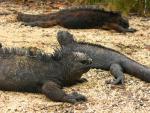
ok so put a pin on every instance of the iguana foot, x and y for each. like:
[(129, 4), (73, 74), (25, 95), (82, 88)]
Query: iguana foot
[(82, 80), (131, 30), (116, 71), (32, 24), (74, 98), (118, 81)]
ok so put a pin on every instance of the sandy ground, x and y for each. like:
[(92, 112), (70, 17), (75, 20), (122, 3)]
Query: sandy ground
[(102, 98)]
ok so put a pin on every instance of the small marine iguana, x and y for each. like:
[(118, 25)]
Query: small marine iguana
[(43, 73), (106, 59), (83, 17), (1, 45)]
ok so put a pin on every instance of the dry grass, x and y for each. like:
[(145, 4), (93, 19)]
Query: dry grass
[(102, 98)]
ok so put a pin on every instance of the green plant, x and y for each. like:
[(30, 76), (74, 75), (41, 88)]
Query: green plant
[(141, 7)]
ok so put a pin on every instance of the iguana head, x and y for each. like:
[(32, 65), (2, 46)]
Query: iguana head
[(64, 38), (120, 19), (73, 62), (123, 21)]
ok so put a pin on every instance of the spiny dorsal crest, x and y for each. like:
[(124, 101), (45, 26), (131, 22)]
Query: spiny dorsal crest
[(89, 8), (37, 55), (10, 52)]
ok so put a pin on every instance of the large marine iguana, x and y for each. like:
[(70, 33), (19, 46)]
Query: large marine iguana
[(83, 17), (106, 59), (43, 73)]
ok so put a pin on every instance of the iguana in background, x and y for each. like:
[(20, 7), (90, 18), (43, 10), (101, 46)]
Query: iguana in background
[(106, 58), (83, 17), (43, 73)]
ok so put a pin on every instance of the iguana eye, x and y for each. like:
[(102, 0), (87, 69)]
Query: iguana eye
[(86, 62)]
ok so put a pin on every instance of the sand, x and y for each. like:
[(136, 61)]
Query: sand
[(102, 97)]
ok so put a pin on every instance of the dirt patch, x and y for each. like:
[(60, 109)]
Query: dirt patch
[(133, 97)]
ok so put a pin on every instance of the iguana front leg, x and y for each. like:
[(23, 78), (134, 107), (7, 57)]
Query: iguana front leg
[(118, 28), (117, 72), (53, 91)]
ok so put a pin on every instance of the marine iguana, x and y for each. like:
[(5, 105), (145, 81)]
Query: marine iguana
[(1, 45), (106, 58), (82, 17), (43, 73)]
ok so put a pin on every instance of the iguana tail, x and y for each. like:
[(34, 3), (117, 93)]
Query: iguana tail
[(31, 18), (133, 68)]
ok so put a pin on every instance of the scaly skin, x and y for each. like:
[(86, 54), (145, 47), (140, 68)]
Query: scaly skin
[(79, 18), (48, 74), (106, 59)]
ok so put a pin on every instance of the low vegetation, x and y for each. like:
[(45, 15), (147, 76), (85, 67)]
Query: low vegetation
[(142, 7)]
